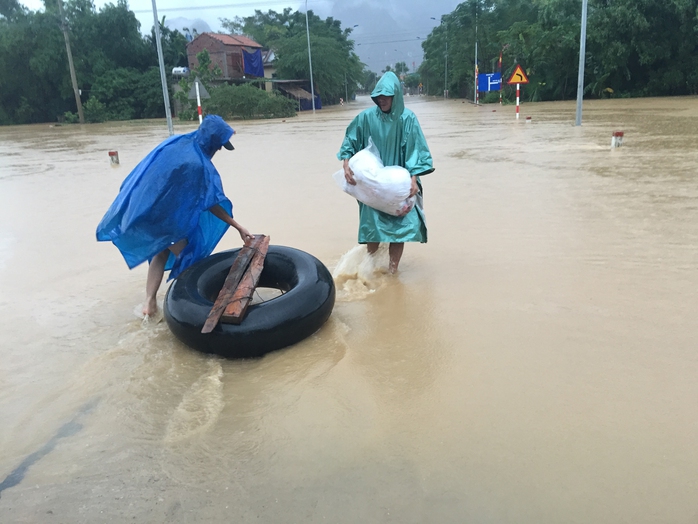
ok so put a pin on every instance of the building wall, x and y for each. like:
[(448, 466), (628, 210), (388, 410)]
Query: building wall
[(269, 72), (227, 57)]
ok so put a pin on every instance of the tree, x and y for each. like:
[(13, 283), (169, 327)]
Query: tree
[(634, 47), (174, 46), (206, 74), (401, 68), (336, 68), (35, 85)]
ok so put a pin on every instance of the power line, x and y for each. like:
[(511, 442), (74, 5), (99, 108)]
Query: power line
[(222, 6), (391, 41)]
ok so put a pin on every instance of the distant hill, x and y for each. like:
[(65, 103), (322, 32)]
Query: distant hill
[(188, 27)]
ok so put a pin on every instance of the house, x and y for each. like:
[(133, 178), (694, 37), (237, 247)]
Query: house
[(268, 58), (229, 52)]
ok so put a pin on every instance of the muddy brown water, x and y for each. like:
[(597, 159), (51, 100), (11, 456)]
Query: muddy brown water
[(536, 361)]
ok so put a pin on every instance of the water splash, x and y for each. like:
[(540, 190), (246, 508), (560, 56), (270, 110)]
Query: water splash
[(359, 274), (148, 320)]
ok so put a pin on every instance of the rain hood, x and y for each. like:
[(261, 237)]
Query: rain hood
[(389, 85)]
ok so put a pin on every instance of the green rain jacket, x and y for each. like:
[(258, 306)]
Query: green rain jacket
[(400, 140)]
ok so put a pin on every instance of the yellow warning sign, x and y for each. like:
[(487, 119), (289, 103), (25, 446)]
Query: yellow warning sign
[(518, 76)]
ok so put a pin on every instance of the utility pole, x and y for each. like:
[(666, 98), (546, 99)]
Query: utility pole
[(582, 56), (310, 60), (446, 64), (475, 100), (73, 78)]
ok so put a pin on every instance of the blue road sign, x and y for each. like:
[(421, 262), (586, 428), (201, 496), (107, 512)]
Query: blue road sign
[(489, 82)]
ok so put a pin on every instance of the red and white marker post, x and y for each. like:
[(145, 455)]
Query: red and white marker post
[(617, 139), (198, 101), (518, 77)]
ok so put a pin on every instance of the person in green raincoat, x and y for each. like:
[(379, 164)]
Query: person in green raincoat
[(395, 131)]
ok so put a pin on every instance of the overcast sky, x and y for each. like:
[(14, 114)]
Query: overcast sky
[(388, 31)]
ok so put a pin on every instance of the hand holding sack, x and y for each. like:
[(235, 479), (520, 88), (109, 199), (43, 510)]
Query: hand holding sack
[(385, 188)]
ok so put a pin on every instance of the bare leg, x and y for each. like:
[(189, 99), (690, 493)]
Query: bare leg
[(395, 251), (372, 247), (156, 270)]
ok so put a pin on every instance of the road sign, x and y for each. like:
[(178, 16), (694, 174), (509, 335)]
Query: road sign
[(518, 76), (489, 82), (202, 90)]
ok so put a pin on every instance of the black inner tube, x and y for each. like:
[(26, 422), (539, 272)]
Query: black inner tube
[(306, 304), (284, 278)]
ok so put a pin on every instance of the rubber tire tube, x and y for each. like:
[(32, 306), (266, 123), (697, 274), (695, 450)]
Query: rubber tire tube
[(282, 321)]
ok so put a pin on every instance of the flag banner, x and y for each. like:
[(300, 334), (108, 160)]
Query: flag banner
[(253, 63)]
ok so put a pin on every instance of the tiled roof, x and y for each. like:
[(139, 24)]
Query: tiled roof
[(237, 40)]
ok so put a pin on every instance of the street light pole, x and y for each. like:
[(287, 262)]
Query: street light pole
[(310, 60), (163, 79), (446, 65), (582, 54)]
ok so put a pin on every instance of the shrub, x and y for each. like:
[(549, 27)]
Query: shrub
[(491, 97), (128, 93), (246, 102), (95, 111), (71, 118), (277, 106)]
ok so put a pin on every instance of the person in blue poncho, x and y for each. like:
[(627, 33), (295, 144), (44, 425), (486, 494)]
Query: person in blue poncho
[(396, 133), (171, 209)]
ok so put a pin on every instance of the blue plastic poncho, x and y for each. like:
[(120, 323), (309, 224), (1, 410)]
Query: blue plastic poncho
[(400, 140), (166, 199)]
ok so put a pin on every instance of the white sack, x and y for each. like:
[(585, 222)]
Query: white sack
[(385, 188)]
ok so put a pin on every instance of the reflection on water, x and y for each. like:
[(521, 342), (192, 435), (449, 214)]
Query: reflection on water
[(534, 362)]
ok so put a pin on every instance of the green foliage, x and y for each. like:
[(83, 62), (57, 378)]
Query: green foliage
[(95, 111), (337, 70), (412, 80), (174, 46), (35, 85), (71, 118), (634, 47), (207, 75), (368, 80), (401, 68), (490, 98), (34, 80), (246, 101), (129, 94)]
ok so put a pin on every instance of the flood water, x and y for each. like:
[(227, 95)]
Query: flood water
[(535, 362)]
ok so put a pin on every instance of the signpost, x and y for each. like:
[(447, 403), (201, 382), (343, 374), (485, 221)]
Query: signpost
[(489, 82), (198, 91), (518, 77)]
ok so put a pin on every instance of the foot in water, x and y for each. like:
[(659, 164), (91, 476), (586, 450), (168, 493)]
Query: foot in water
[(150, 308)]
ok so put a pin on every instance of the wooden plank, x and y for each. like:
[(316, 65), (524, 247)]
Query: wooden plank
[(231, 283), (237, 307)]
